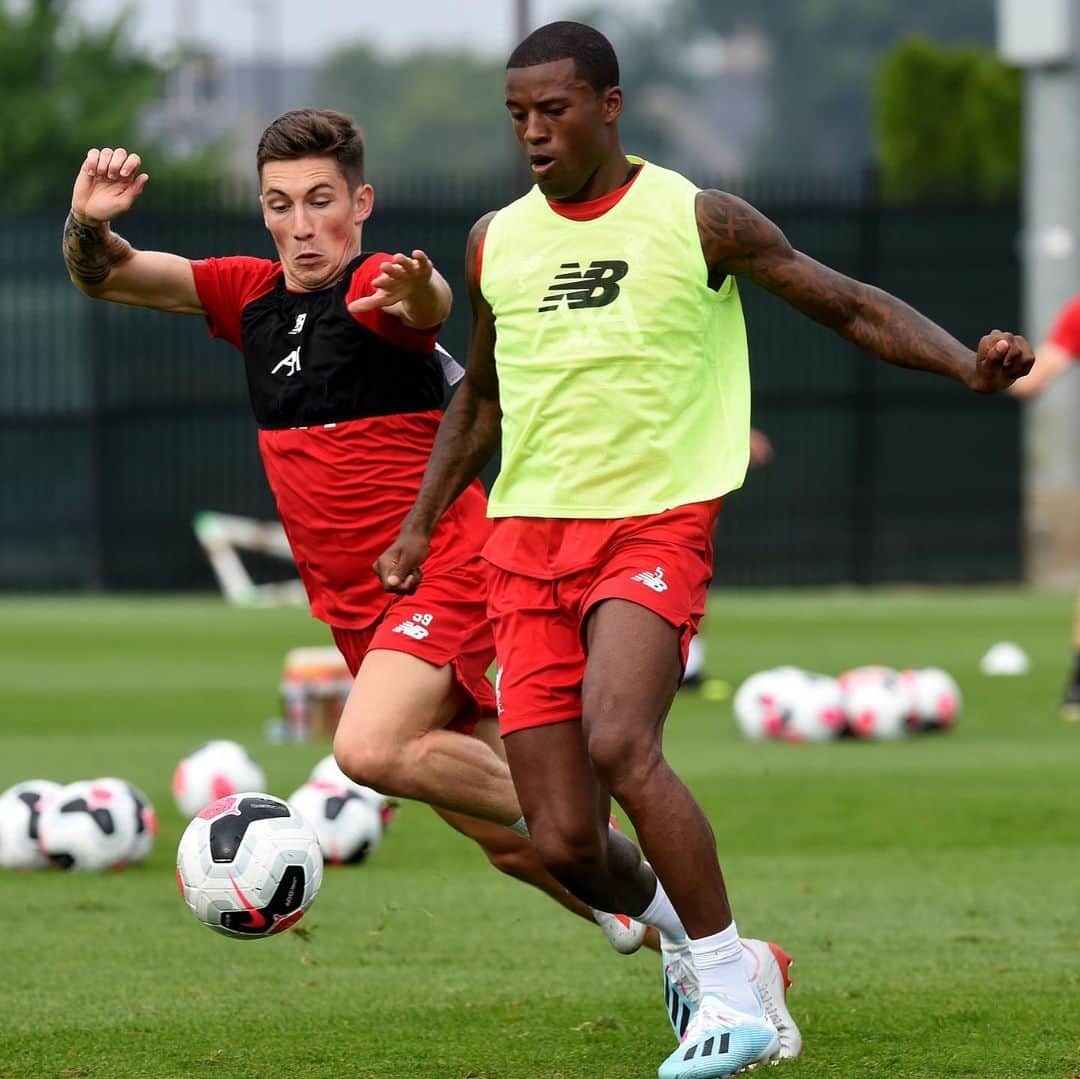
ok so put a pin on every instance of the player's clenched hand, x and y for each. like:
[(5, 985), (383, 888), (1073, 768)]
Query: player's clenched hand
[(398, 567), (109, 181), (400, 279), (1000, 360)]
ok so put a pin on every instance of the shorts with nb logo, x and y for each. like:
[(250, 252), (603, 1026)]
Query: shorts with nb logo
[(443, 623), (662, 562)]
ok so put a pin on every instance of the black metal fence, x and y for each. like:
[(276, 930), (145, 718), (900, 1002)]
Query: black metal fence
[(118, 424)]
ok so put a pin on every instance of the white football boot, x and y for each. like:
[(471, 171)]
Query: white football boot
[(767, 971), (722, 1040), (770, 979)]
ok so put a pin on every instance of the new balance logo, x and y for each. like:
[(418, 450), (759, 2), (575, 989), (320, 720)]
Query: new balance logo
[(595, 286), (291, 363), (654, 580), (416, 628), (300, 320)]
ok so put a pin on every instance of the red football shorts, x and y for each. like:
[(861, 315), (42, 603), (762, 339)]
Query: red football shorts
[(662, 562), (443, 623)]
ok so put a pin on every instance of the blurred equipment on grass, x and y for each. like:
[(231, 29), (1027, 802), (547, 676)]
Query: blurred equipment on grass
[(1005, 658), (223, 536)]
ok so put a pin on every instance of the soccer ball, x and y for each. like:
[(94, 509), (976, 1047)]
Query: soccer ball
[(327, 771), (20, 808), (348, 825), (146, 826), (935, 698), (763, 703), (249, 866), (213, 771), (817, 714), (870, 675), (876, 703), (89, 825)]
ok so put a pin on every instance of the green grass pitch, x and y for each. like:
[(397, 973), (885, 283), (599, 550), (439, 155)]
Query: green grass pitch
[(928, 890)]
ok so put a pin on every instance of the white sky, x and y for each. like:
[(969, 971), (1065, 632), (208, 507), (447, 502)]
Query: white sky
[(307, 29)]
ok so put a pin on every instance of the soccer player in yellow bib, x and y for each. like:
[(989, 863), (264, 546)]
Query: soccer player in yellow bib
[(608, 358)]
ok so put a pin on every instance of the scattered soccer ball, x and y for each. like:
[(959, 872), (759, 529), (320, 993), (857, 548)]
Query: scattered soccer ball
[(876, 705), (348, 825), (89, 825), (935, 698), (213, 771), (20, 808), (327, 771), (817, 714), (763, 703), (249, 866)]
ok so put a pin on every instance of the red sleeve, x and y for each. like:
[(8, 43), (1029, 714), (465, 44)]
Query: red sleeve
[(378, 321), (1066, 331), (226, 286)]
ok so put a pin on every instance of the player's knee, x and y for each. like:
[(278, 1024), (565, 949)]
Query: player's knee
[(621, 754), (569, 856), (519, 862), (370, 763)]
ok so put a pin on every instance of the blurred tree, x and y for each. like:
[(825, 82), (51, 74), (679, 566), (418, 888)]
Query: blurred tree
[(425, 113), (825, 55), (62, 89), (967, 150)]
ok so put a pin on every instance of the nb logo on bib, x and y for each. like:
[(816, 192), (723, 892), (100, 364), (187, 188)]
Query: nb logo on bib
[(595, 286)]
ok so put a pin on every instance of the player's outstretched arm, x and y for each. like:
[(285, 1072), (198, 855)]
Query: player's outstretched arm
[(411, 288), (103, 264), (467, 439), (737, 239)]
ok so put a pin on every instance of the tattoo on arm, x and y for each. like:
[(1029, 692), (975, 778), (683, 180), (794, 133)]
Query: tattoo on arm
[(91, 251), (737, 239)]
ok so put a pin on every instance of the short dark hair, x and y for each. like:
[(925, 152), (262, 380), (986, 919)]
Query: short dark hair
[(594, 58), (315, 133)]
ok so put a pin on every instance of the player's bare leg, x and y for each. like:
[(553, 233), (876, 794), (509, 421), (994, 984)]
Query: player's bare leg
[(631, 677), (511, 854), (566, 809), (392, 736)]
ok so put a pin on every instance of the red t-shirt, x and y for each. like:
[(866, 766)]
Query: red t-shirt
[(342, 488), (1066, 331)]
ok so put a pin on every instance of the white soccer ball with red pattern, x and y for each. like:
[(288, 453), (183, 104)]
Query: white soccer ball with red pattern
[(348, 826), (212, 771), (327, 771), (878, 707), (249, 866), (89, 825), (935, 698), (817, 714), (20, 810), (763, 703)]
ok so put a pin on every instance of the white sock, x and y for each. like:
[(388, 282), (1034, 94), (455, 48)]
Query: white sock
[(520, 827), (720, 967), (660, 914)]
